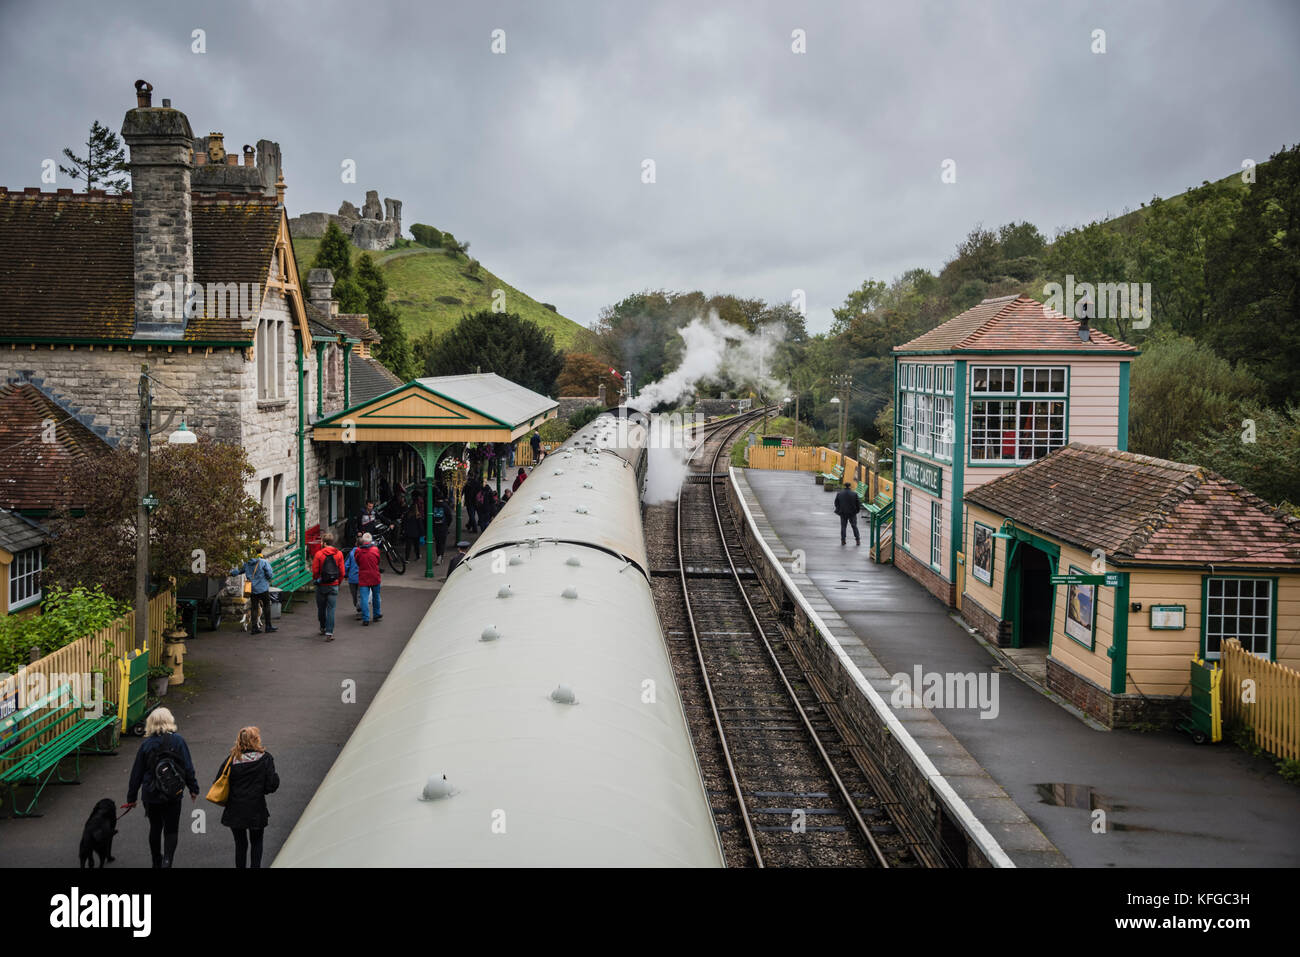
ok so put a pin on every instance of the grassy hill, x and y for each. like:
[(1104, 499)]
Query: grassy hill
[(432, 290)]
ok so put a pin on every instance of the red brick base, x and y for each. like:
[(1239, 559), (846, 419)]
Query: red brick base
[(934, 583), (1112, 710), (985, 622)]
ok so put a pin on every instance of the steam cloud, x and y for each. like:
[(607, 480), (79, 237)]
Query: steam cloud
[(717, 353)]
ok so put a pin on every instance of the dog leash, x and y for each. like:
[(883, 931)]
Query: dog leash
[(125, 813)]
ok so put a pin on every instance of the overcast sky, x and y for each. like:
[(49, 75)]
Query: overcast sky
[(774, 170)]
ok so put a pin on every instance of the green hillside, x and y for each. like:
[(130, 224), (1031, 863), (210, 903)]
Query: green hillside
[(432, 290)]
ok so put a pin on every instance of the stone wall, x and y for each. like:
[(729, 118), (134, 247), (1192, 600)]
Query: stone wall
[(985, 622), (1112, 710), (932, 581), (373, 227)]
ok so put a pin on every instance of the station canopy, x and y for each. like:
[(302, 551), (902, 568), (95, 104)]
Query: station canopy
[(446, 409)]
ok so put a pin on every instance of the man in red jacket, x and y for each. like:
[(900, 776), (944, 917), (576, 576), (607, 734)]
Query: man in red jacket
[(327, 577), (367, 558)]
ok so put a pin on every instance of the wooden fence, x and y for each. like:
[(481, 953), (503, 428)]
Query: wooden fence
[(96, 652), (1264, 696), (817, 459)]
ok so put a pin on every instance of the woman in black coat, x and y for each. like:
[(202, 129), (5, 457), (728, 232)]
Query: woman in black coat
[(252, 777)]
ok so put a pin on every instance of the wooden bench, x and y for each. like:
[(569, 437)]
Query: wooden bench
[(38, 723), (291, 572), (878, 506), (832, 478)]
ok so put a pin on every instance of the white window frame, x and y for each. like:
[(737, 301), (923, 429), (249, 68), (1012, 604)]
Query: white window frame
[(943, 428), (25, 575), (1021, 408), (1216, 622), (924, 419), (907, 518), (975, 377), (907, 420), (936, 533), (1030, 374)]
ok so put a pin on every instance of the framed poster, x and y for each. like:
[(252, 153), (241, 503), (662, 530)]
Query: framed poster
[(1168, 617), (982, 554), (1080, 610), (291, 519)]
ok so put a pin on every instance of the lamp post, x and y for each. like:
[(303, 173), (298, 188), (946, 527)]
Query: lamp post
[(147, 501)]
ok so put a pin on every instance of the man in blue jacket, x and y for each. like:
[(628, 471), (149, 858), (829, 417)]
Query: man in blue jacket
[(259, 572)]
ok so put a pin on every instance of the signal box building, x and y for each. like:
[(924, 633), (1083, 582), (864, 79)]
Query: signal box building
[(1186, 560), (985, 394)]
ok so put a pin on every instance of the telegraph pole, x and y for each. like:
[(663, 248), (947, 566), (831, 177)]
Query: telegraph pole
[(844, 383)]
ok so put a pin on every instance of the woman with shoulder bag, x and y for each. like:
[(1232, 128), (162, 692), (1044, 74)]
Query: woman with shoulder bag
[(250, 773)]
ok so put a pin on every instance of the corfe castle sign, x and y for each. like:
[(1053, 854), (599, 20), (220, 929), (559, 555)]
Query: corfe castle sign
[(928, 478)]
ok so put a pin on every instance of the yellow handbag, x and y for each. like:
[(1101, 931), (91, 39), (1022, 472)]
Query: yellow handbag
[(219, 793)]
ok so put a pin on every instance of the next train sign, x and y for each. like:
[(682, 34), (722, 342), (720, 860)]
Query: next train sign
[(927, 477)]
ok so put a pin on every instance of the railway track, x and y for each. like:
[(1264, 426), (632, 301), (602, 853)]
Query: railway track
[(786, 787)]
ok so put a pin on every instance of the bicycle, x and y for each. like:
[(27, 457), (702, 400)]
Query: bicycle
[(395, 560)]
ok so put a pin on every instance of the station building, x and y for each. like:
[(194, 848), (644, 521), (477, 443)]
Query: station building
[(1189, 559), (983, 395)]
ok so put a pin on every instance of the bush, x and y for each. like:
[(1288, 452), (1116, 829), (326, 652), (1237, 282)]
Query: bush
[(583, 416), (547, 305), (555, 430), (68, 615), (427, 236)]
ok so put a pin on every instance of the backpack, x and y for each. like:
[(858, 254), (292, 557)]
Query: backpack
[(329, 569), (439, 515), (167, 767)]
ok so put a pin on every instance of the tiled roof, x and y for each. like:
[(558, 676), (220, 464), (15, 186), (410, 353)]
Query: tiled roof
[(19, 533), (1138, 508), (353, 325), (369, 378), (35, 474), (1012, 324), (69, 270)]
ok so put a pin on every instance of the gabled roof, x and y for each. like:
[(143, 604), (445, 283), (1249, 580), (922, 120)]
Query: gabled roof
[(1012, 324), (1142, 509), (488, 393), (69, 266), (35, 474), (353, 325), (19, 533)]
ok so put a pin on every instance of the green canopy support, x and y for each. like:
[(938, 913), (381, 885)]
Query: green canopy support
[(429, 453)]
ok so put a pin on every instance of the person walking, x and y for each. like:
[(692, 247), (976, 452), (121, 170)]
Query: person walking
[(252, 778), (259, 573), (327, 573), (412, 529), (535, 443), (160, 776), (441, 515), (472, 487), (369, 516), (353, 573), (368, 578), (847, 505), (519, 480), (487, 506)]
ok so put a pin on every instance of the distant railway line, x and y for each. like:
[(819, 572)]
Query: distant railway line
[(785, 787)]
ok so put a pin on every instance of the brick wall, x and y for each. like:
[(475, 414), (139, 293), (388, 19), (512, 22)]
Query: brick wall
[(1114, 711), (985, 622), (927, 576)]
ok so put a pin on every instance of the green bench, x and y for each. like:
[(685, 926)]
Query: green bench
[(290, 572), (878, 506), (832, 478), (40, 720)]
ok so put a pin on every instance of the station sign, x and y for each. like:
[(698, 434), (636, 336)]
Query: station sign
[(339, 483), (1110, 579), (926, 477)]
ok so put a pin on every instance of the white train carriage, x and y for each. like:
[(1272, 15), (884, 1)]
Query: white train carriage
[(533, 718)]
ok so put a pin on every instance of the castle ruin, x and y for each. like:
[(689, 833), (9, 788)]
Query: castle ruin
[(370, 227)]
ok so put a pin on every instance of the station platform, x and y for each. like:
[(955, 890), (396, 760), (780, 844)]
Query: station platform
[(289, 683), (1035, 772)]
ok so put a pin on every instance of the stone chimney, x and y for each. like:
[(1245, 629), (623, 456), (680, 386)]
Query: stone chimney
[(161, 142), (601, 395), (320, 289)]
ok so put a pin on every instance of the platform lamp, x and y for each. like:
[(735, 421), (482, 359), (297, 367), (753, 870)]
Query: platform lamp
[(147, 501), (1004, 532)]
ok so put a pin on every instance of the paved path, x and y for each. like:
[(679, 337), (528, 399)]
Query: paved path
[(290, 684), (1170, 803)]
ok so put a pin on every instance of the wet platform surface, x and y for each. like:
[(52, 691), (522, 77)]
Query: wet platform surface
[(1167, 802)]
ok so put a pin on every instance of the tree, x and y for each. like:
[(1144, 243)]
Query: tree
[(1254, 275), (1178, 389), (104, 160), (501, 342), (427, 235), (1256, 447), (584, 374), (335, 254), (394, 351), (203, 510)]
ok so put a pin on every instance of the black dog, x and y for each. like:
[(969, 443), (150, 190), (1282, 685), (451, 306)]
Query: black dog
[(97, 836)]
